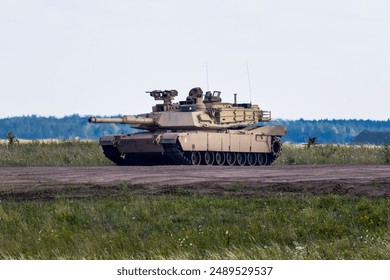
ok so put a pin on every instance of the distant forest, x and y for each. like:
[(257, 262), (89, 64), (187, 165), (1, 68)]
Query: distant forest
[(75, 126), (69, 127)]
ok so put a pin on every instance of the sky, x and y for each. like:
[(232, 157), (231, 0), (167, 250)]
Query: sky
[(300, 59)]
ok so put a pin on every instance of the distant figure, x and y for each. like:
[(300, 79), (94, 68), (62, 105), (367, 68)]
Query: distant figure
[(12, 138), (311, 141)]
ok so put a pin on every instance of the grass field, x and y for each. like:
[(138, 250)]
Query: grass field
[(191, 227), (334, 154), (79, 153), (63, 153), (194, 227)]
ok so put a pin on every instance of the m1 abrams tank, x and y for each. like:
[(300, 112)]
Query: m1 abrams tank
[(200, 130)]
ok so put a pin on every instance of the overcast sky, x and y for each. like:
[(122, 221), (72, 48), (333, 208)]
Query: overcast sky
[(307, 59)]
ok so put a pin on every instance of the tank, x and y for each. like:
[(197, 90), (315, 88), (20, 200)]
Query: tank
[(199, 130)]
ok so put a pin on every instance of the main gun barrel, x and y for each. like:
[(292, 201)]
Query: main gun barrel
[(123, 120)]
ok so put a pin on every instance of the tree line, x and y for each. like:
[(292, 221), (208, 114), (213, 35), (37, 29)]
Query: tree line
[(336, 131), (68, 127)]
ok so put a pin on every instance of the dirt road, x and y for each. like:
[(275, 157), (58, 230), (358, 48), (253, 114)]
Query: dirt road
[(53, 182)]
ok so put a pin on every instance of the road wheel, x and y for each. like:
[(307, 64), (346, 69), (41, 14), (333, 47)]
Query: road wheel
[(252, 159), (220, 158), (262, 159), (241, 159), (209, 158), (231, 158), (196, 158)]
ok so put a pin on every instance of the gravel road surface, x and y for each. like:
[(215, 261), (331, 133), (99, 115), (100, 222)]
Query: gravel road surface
[(53, 182)]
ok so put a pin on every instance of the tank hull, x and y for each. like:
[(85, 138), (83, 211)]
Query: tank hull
[(249, 146)]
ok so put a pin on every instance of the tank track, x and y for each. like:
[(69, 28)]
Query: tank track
[(116, 157), (173, 155), (113, 154), (174, 152), (178, 157)]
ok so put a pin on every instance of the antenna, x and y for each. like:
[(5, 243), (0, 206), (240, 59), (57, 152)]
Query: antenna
[(207, 76), (249, 82)]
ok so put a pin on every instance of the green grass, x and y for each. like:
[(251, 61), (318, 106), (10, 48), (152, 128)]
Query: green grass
[(334, 154), (65, 153), (182, 226), (75, 153), (193, 227)]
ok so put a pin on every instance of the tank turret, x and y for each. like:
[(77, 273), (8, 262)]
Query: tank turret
[(199, 130), (196, 112)]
